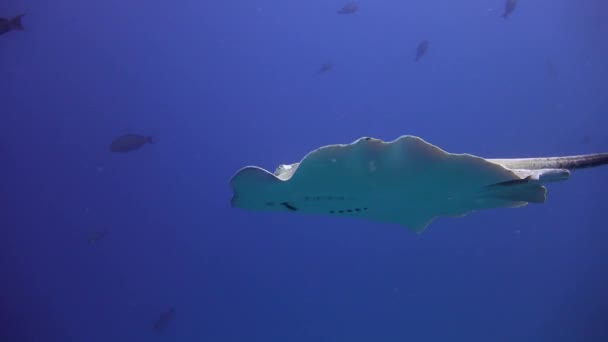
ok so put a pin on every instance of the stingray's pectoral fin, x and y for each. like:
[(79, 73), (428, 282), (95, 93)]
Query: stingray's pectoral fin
[(531, 193), (250, 185), (519, 190), (419, 226)]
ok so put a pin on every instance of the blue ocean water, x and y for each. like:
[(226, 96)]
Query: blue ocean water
[(224, 84)]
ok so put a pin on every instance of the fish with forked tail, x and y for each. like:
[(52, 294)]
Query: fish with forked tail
[(14, 24)]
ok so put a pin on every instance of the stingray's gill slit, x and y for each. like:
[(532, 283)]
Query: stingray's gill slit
[(289, 206), (347, 211)]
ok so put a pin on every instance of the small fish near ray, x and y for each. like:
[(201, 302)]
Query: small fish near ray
[(11, 24), (509, 8), (551, 72), (325, 67), (349, 8), (423, 46), (160, 325), (129, 142), (95, 237), (407, 181)]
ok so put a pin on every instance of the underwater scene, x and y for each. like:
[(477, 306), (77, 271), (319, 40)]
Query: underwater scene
[(303, 171)]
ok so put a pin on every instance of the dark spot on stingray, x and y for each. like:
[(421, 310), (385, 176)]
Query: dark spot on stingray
[(289, 206), (364, 208), (165, 318), (509, 8), (331, 211), (341, 211), (357, 209), (12, 24), (349, 8), (350, 210), (423, 46), (129, 142)]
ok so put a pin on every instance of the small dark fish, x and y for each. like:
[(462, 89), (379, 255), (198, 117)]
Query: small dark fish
[(551, 70), (325, 67), (165, 318), (129, 142), (7, 25), (509, 8), (421, 50), (96, 236), (349, 8)]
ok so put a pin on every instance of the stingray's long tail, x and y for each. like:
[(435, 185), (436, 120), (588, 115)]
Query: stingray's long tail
[(567, 162)]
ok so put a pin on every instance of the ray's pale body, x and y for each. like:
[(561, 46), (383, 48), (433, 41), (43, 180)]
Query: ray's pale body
[(405, 181)]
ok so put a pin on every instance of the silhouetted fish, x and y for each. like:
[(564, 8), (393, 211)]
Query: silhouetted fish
[(325, 67), (509, 8), (129, 142), (550, 70), (96, 236), (349, 8), (421, 50), (161, 323), (7, 25)]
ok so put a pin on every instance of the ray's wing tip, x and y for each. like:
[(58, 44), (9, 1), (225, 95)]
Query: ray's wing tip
[(250, 173), (419, 226), (418, 230), (245, 178), (249, 170), (403, 137)]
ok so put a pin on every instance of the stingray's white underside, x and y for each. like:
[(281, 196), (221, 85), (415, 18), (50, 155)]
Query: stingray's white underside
[(406, 181)]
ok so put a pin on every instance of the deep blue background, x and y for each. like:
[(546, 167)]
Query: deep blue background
[(224, 84)]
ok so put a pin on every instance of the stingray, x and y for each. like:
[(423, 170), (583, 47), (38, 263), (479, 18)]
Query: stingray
[(407, 181)]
